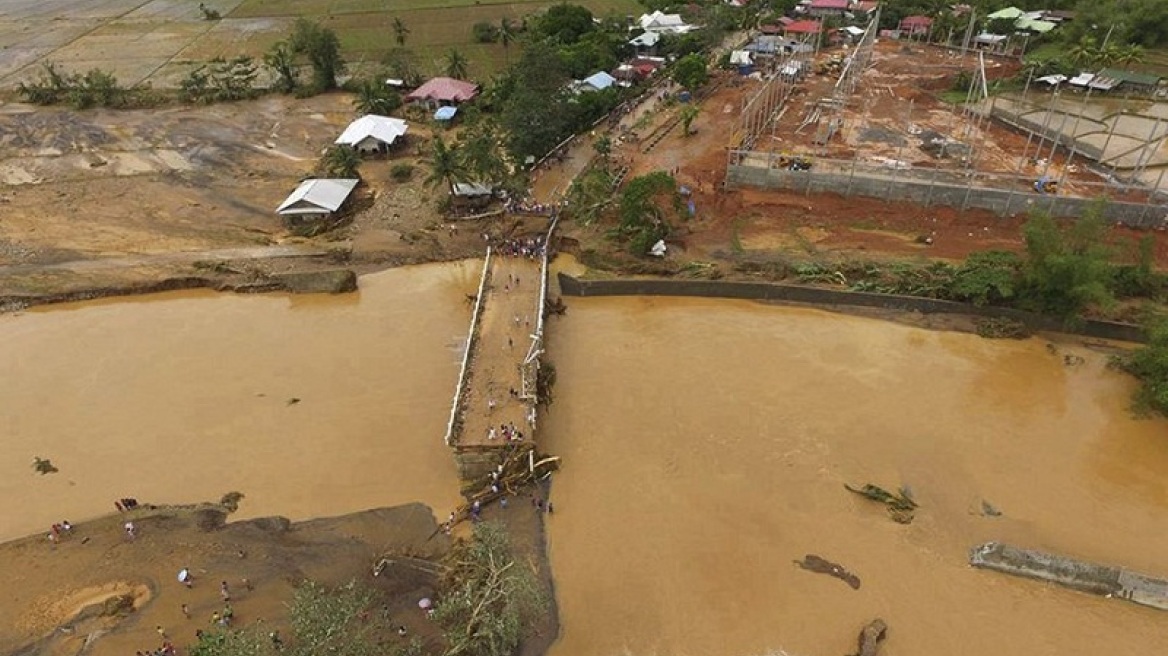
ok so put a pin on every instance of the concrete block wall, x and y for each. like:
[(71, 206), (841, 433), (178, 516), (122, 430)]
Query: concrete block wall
[(944, 190)]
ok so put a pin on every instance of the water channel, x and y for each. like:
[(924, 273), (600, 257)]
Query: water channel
[(705, 443)]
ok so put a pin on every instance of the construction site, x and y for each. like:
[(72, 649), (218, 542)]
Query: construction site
[(868, 119)]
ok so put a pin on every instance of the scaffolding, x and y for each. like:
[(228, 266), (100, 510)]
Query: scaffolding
[(763, 108), (845, 86)]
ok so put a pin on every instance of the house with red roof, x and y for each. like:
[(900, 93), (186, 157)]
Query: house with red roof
[(915, 25), (443, 91), (828, 7), (803, 27)]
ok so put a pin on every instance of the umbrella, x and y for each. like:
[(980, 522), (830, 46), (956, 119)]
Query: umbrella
[(424, 603)]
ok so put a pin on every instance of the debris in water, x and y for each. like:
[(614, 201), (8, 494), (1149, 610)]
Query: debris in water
[(989, 510), (293, 401), (43, 466), (813, 563), (871, 636), (900, 506)]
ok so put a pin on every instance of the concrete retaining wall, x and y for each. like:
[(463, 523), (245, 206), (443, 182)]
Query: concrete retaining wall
[(888, 185), (1075, 574), (765, 291)]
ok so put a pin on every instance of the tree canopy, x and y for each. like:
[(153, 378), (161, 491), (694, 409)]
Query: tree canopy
[(647, 205), (565, 24), (690, 71), (322, 48)]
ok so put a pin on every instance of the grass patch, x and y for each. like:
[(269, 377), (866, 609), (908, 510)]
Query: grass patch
[(736, 236), (953, 97), (365, 27)]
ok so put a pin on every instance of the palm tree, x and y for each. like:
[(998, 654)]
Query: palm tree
[(455, 64), (1107, 55), (341, 162), (1083, 51), (480, 154), (400, 32), (374, 97), (506, 37), (1133, 53), (445, 164)]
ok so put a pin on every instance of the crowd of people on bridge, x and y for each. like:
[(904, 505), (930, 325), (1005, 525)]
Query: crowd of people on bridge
[(529, 247), (528, 206), (508, 431)]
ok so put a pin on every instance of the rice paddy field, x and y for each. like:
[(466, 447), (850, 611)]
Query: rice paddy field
[(160, 41)]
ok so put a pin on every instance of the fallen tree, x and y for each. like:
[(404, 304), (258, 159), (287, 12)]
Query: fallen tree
[(488, 598)]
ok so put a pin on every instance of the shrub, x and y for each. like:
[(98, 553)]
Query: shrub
[(402, 172), (485, 32)]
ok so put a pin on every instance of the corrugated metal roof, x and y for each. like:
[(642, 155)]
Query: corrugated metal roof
[(804, 27), (382, 128), (320, 194), (471, 189), (445, 89), (1128, 76), (600, 81)]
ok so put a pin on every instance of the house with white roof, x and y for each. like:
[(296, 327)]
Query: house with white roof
[(373, 134), (315, 200), (664, 23), (645, 41), (595, 82)]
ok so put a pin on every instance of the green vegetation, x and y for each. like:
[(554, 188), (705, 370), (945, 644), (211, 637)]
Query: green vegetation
[(1149, 364), (220, 81), (97, 88), (321, 47), (402, 172), (687, 115), (485, 32), (649, 204), (340, 162), (446, 165), (690, 71), (1068, 269), (488, 597), (367, 29), (374, 96), (324, 621)]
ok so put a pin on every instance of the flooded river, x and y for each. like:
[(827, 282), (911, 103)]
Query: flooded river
[(181, 397), (706, 444)]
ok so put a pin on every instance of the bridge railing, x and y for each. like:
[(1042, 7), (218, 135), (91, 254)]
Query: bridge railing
[(454, 426), (532, 362)]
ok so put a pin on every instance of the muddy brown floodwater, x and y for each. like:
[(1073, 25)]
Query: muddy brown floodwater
[(177, 398), (706, 444)]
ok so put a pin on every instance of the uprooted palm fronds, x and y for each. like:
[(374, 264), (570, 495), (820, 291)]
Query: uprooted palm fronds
[(900, 506)]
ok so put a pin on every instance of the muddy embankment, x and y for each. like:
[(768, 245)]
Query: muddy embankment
[(331, 281), (836, 299), (98, 591)]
